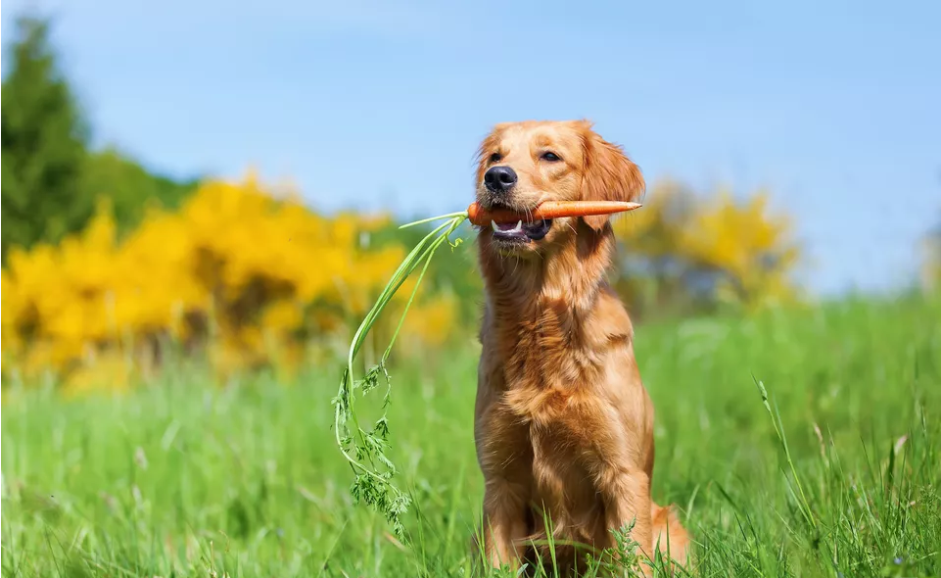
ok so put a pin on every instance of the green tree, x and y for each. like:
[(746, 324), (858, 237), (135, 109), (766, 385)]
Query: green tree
[(43, 144), (130, 187)]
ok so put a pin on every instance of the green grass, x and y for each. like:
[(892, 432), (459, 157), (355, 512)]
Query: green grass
[(184, 479)]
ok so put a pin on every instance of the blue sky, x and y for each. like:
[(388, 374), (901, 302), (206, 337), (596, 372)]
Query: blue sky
[(831, 105)]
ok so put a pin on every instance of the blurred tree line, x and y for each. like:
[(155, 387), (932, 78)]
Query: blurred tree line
[(106, 264), (52, 178), (931, 263)]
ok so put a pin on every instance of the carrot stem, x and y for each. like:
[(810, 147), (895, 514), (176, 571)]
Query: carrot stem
[(549, 210)]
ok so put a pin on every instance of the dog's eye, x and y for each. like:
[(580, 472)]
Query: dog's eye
[(496, 157), (551, 157)]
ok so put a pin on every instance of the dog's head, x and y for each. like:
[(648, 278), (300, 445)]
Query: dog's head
[(526, 163)]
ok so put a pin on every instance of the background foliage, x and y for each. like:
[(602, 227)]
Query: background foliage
[(51, 177), (107, 264)]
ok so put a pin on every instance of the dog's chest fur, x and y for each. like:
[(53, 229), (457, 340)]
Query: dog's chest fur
[(539, 350), (545, 373), (552, 341)]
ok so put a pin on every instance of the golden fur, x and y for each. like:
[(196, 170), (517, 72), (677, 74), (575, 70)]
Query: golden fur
[(563, 424)]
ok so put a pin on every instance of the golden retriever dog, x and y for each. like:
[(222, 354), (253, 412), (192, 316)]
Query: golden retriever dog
[(563, 425)]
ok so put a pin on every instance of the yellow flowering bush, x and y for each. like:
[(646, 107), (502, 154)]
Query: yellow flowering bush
[(683, 250), (749, 246), (247, 278)]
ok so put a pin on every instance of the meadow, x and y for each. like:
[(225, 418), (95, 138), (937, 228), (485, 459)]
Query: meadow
[(838, 475)]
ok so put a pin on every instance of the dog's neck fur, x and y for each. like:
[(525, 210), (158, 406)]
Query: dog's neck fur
[(538, 307), (574, 272)]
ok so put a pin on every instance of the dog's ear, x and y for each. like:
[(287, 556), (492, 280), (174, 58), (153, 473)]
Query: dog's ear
[(609, 176)]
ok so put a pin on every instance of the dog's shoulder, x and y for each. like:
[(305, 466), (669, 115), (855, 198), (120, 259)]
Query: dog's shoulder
[(609, 322)]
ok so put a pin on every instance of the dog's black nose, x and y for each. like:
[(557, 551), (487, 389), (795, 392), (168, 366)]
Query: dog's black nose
[(500, 179)]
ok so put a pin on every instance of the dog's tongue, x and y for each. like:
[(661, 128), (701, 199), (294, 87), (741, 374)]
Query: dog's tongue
[(508, 227)]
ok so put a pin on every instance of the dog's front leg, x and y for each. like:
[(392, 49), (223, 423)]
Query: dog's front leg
[(505, 526), (626, 497)]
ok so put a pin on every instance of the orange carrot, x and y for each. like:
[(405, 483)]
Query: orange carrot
[(549, 210)]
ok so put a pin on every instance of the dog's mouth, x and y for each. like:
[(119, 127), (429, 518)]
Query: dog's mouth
[(513, 227), (520, 232)]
